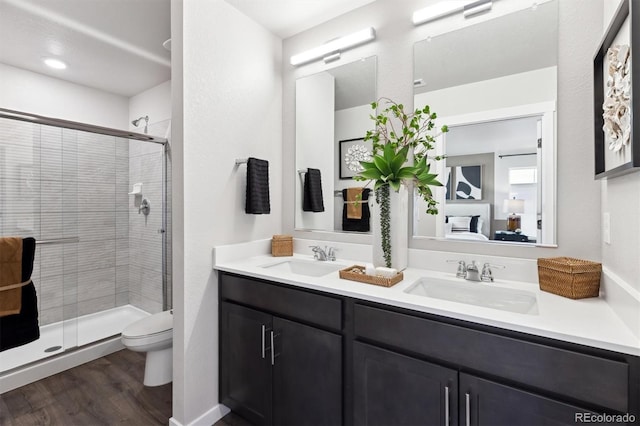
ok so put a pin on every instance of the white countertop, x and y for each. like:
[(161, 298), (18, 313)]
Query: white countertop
[(590, 322)]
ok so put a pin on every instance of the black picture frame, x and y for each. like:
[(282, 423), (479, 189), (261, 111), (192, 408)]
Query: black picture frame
[(344, 172), (625, 9)]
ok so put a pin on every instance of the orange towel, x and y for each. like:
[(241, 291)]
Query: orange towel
[(11, 276), (354, 205)]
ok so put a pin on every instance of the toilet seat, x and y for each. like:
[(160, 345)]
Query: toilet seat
[(154, 331)]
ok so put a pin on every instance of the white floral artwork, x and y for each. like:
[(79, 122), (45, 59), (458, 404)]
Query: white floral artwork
[(355, 154), (617, 104)]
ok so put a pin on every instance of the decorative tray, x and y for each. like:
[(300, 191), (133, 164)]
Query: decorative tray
[(356, 273)]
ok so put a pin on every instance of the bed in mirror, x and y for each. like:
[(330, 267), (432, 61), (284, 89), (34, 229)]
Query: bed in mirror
[(495, 85), (332, 116)]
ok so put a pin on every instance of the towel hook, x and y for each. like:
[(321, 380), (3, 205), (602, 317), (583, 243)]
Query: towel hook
[(241, 161)]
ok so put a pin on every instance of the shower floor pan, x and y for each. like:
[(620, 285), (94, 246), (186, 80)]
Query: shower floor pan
[(90, 328)]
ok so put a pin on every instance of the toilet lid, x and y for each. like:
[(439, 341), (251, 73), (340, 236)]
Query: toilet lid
[(153, 324)]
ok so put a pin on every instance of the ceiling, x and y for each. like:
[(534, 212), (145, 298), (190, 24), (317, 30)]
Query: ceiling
[(112, 45), (285, 18), (116, 45)]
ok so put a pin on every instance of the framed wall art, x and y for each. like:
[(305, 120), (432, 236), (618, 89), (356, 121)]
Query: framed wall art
[(615, 103), (351, 152), (468, 182)]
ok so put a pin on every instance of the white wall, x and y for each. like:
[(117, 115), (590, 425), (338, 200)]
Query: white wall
[(315, 124), (35, 93), (226, 82), (154, 102), (578, 193), (621, 199)]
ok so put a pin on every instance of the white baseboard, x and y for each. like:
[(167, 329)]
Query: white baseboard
[(57, 364), (206, 419)]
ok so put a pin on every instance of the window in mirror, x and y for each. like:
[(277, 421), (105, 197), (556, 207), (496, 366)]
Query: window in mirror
[(495, 85), (332, 117)]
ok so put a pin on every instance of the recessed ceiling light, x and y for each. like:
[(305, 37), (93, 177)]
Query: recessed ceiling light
[(55, 63)]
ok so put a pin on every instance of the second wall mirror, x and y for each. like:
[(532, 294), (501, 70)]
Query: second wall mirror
[(495, 85)]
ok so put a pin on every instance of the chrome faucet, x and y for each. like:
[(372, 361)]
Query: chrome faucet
[(323, 255), (462, 268), (472, 273), (487, 275)]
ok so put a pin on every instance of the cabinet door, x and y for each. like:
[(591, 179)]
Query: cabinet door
[(486, 403), (393, 389), (245, 364), (307, 375)]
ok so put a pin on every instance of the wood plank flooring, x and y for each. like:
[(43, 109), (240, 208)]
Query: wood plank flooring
[(107, 391), (232, 419)]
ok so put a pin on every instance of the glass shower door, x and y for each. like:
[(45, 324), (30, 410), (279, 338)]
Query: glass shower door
[(33, 169)]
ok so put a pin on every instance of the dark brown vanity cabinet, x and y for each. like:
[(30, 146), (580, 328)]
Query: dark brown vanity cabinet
[(276, 370), (491, 378), (337, 360), (393, 389), (487, 403)]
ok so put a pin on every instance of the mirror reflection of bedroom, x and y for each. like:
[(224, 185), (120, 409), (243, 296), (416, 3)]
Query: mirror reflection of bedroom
[(491, 183)]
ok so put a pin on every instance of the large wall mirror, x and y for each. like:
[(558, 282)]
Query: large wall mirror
[(332, 116), (495, 85)]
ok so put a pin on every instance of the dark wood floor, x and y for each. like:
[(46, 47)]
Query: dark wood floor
[(107, 391), (232, 420)]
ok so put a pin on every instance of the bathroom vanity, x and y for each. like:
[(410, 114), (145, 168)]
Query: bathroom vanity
[(309, 350)]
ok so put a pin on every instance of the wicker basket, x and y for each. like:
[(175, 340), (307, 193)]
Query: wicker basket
[(282, 245), (356, 273), (569, 277)]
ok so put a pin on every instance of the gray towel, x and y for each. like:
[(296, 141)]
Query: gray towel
[(257, 201)]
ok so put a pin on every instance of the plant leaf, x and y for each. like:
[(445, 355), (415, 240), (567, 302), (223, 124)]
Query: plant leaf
[(406, 173), (399, 159), (371, 174), (382, 165)]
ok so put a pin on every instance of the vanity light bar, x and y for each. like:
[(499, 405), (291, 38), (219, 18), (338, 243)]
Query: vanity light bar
[(439, 10), (334, 46), (477, 7), (449, 7)]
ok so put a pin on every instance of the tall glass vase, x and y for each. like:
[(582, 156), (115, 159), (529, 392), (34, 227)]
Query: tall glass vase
[(399, 230)]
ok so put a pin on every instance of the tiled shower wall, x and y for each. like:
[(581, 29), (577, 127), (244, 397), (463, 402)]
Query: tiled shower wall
[(145, 232), (58, 183)]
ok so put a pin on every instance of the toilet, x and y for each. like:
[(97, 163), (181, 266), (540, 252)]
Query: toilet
[(153, 335)]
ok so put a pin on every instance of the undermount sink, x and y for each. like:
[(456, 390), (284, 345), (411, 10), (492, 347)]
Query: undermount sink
[(310, 268), (478, 294)]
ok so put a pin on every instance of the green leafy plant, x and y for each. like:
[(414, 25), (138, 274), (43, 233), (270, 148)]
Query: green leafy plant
[(396, 135)]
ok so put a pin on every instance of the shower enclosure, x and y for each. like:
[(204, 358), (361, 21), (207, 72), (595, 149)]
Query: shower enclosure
[(100, 263)]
